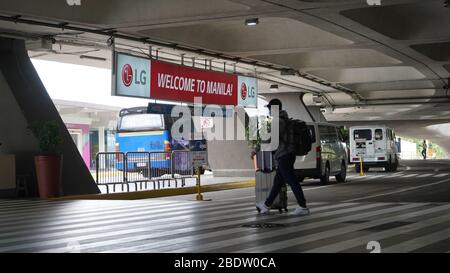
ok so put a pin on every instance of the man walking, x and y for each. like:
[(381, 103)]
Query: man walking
[(285, 159), (424, 150)]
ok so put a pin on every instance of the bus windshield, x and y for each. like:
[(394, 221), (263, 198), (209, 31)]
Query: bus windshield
[(141, 122)]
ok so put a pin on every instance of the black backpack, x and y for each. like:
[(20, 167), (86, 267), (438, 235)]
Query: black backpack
[(299, 137)]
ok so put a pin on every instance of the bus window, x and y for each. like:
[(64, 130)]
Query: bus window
[(365, 134), (141, 122), (379, 134)]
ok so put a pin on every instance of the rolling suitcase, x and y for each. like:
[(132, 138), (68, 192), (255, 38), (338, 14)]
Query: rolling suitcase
[(264, 176)]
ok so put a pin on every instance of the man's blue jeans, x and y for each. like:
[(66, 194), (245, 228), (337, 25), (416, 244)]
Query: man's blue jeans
[(285, 174)]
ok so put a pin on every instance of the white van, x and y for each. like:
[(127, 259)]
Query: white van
[(376, 145), (327, 157)]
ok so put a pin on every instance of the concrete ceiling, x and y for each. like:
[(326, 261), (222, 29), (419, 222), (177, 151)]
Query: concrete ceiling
[(395, 57)]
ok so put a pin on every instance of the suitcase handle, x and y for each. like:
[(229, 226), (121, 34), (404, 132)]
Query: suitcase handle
[(255, 163)]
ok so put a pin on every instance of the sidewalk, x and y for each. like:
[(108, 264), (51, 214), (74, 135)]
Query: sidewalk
[(206, 180)]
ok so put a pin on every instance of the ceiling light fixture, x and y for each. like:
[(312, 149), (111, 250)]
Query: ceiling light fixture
[(252, 22), (93, 58)]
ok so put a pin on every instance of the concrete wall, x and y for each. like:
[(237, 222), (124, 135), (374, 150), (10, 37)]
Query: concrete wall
[(24, 94), (15, 138)]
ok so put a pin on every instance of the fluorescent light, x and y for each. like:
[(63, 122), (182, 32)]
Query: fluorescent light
[(274, 87), (252, 22)]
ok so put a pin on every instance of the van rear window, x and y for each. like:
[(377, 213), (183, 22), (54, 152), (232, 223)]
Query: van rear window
[(363, 134)]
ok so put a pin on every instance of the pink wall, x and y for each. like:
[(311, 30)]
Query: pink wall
[(86, 143)]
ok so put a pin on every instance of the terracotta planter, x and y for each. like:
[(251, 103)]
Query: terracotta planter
[(49, 172)]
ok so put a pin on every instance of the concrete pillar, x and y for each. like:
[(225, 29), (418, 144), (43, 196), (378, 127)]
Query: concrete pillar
[(101, 140)]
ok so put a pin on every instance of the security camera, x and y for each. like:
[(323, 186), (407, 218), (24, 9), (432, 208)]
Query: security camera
[(317, 100)]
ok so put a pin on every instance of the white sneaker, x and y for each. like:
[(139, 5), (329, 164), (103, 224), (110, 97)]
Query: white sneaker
[(301, 211), (261, 206)]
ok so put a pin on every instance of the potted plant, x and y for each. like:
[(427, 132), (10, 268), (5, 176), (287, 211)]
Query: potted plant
[(49, 162), (254, 132)]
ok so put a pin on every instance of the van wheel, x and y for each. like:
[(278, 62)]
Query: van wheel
[(395, 167), (388, 167), (325, 179), (341, 177)]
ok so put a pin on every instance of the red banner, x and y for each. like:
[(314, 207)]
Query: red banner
[(179, 83)]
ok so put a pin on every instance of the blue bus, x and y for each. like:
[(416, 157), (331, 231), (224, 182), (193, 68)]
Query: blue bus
[(147, 129)]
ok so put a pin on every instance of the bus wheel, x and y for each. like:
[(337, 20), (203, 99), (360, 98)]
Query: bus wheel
[(395, 167), (388, 167)]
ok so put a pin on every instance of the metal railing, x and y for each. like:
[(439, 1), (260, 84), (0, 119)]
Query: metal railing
[(143, 169)]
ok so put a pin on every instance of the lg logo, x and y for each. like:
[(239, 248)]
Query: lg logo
[(374, 2), (244, 91), (73, 2), (374, 246), (247, 93), (128, 75)]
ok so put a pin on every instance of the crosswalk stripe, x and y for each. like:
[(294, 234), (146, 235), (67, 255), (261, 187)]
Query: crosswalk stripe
[(343, 245), (169, 246), (411, 245), (177, 219), (410, 175), (339, 231), (294, 229), (74, 205), (441, 175), (74, 216), (399, 191), (115, 218), (424, 175), (184, 228)]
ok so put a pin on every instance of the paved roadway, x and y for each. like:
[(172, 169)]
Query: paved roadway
[(406, 211)]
